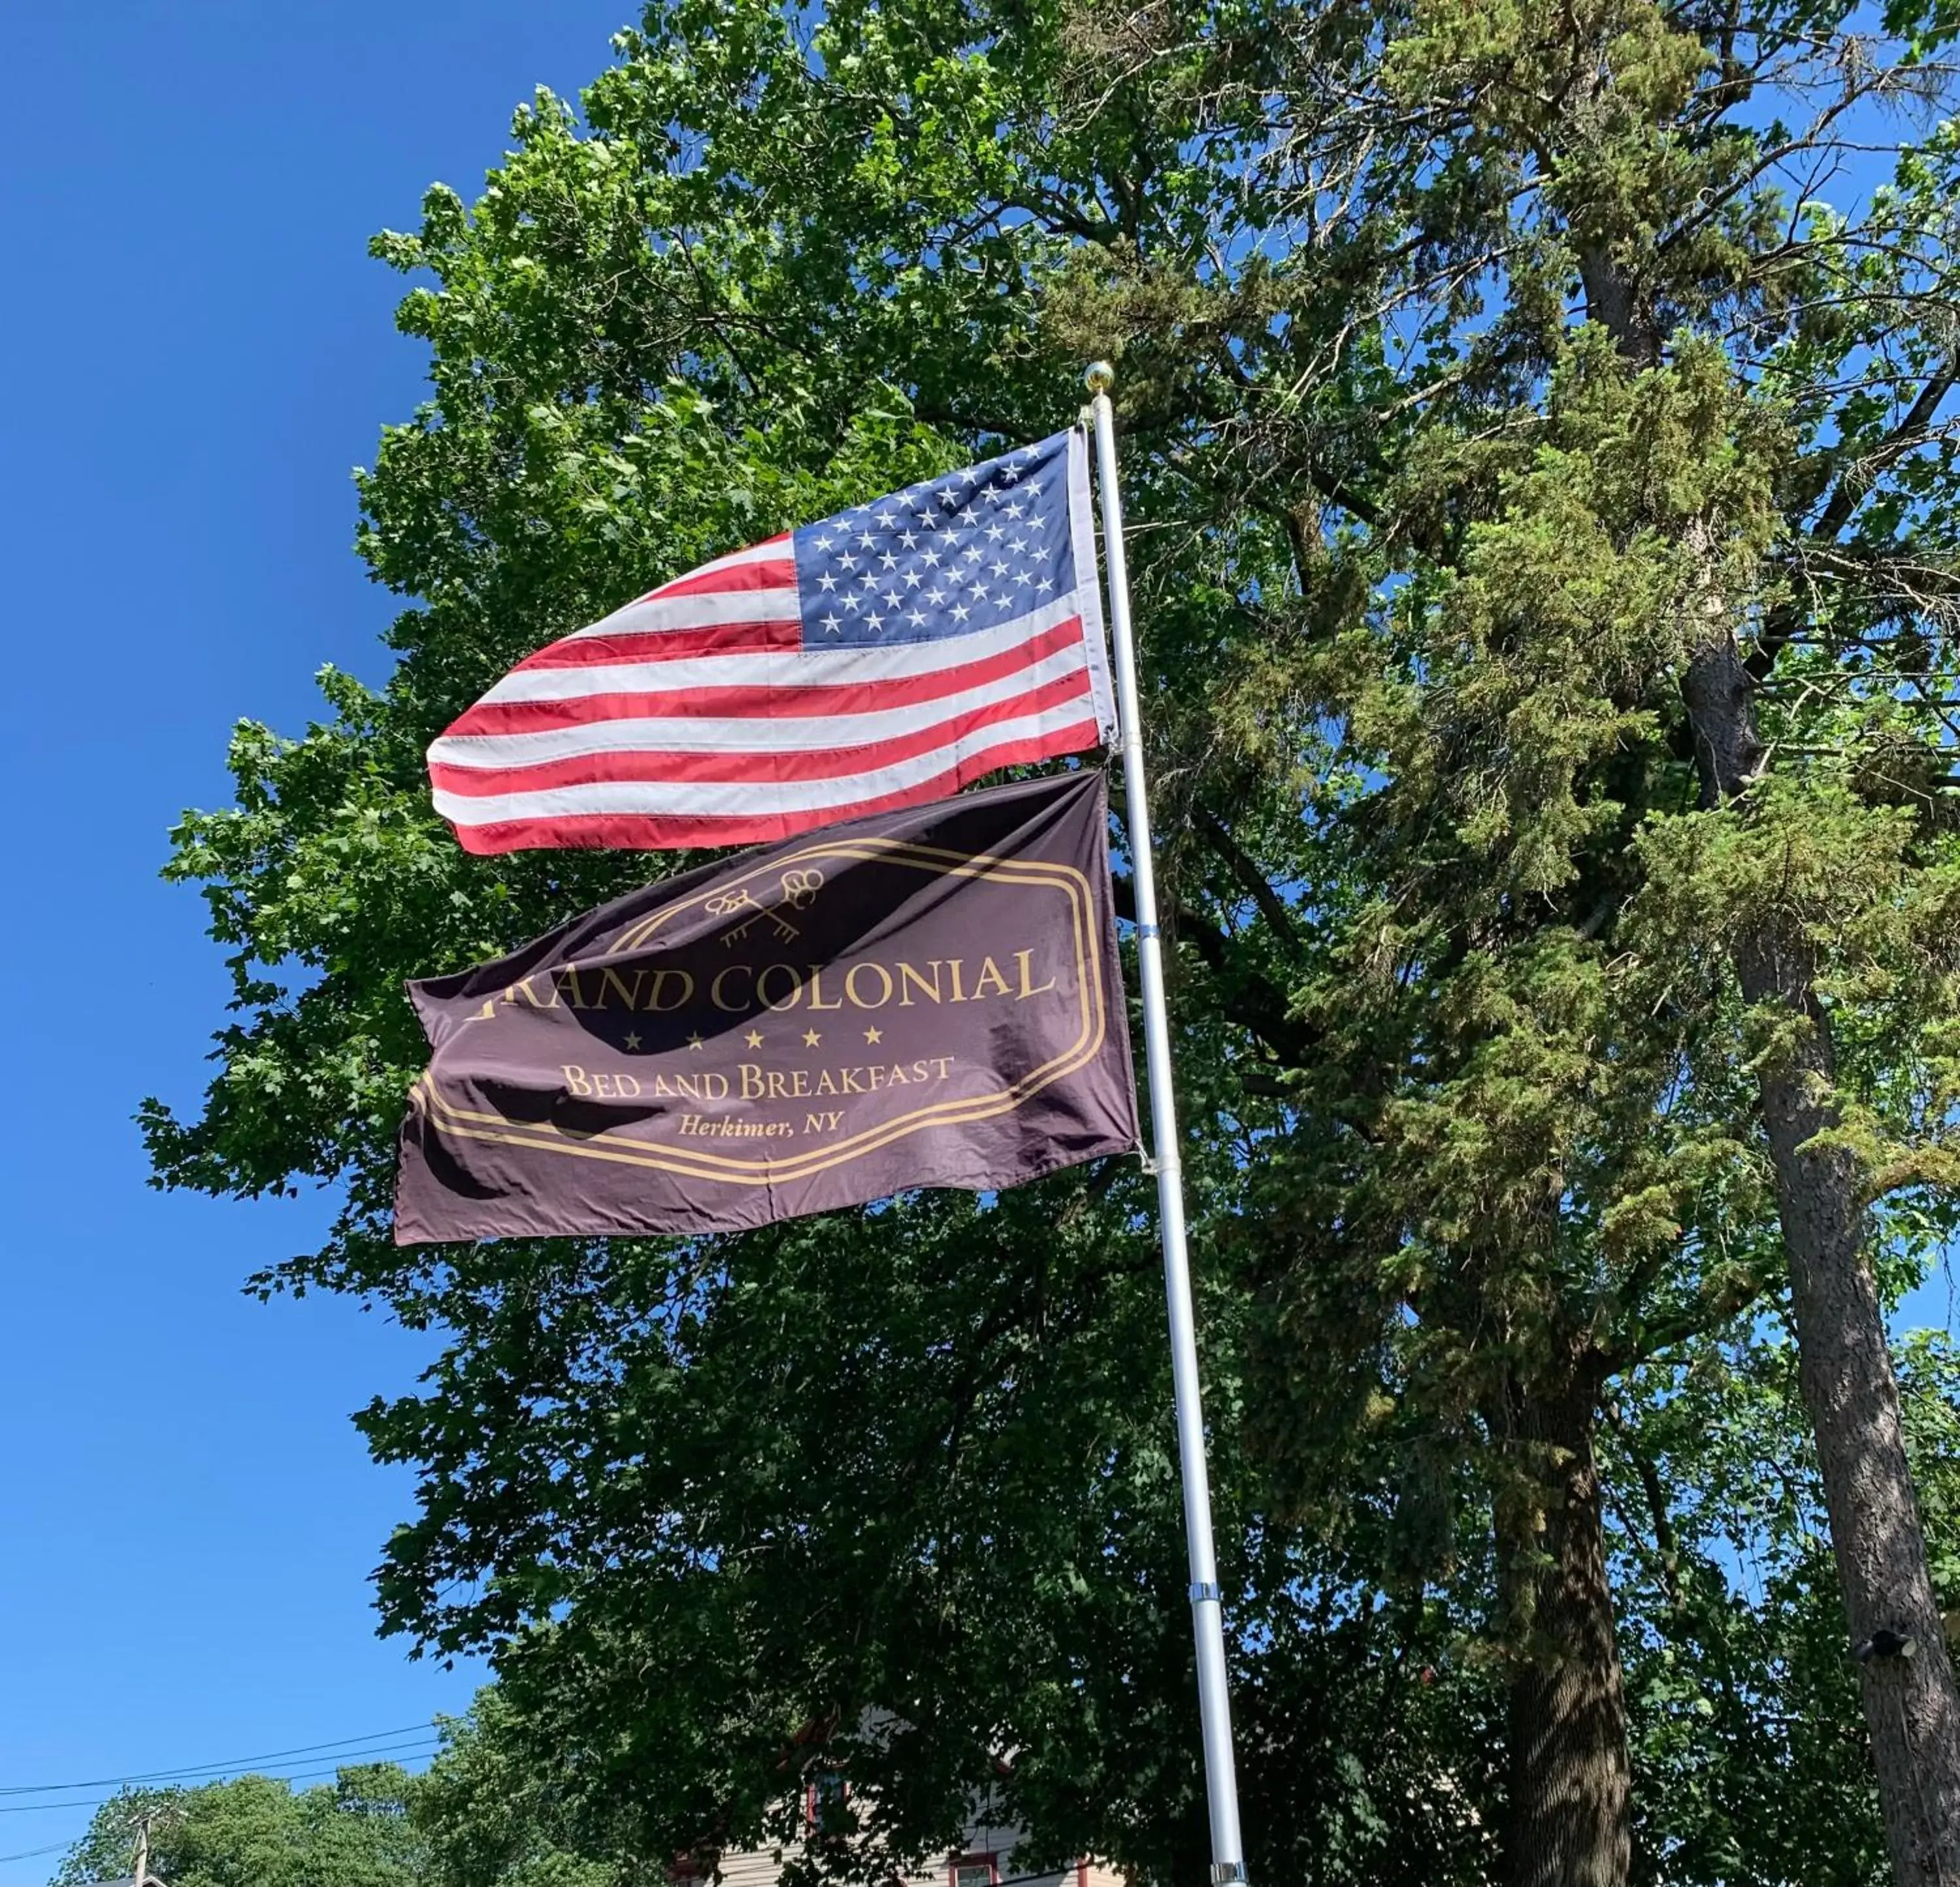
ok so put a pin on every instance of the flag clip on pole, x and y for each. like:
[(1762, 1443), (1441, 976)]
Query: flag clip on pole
[(1214, 1705)]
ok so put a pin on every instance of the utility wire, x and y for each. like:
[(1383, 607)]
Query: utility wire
[(304, 1775), (34, 1854), (422, 1731)]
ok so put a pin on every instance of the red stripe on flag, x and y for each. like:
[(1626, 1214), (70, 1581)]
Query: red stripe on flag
[(662, 645), (734, 766), (776, 573), (640, 830), (767, 700)]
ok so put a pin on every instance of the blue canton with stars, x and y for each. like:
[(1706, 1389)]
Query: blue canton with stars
[(960, 554)]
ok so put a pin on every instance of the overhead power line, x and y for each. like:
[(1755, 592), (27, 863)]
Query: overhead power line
[(420, 1731), (34, 1854), (39, 1808), (185, 1779)]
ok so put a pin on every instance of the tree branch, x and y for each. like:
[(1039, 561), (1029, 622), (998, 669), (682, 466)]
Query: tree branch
[(1257, 1005), (1723, 1299), (1845, 498), (1251, 879), (1667, 1544)]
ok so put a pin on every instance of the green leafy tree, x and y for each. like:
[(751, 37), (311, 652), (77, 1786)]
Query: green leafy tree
[(259, 1832), (474, 1817), (483, 1818), (917, 1464), (1742, 1703), (1536, 443)]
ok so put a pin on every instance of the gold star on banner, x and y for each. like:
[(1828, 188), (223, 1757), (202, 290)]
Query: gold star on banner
[(811, 1037), (632, 1040), (694, 1041), (754, 1038), (874, 1034)]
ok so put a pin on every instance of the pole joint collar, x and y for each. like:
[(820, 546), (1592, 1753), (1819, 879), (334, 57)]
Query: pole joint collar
[(1224, 1871), (1202, 1589)]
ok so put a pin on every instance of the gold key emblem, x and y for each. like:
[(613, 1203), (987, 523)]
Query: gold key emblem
[(800, 889), (729, 902)]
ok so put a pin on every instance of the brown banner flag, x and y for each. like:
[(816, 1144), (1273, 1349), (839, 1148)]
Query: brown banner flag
[(928, 998)]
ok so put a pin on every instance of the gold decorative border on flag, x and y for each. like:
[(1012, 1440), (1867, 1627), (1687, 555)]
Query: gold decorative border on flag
[(934, 860)]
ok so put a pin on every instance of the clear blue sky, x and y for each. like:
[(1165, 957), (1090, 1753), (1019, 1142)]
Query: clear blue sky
[(197, 351)]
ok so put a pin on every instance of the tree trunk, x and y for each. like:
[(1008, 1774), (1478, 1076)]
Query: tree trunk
[(1568, 1824), (1912, 1707)]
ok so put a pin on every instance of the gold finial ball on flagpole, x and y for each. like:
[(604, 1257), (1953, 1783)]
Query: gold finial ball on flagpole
[(1099, 378)]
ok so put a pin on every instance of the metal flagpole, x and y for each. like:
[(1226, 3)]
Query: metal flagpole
[(1214, 1703)]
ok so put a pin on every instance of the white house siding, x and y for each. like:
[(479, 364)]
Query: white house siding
[(749, 1870), (765, 1869)]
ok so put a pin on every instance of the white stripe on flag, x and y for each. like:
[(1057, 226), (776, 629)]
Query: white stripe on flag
[(747, 733), (711, 798), (782, 668), (769, 551), (709, 610)]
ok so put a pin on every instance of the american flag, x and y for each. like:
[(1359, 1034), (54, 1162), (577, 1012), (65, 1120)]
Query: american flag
[(885, 656)]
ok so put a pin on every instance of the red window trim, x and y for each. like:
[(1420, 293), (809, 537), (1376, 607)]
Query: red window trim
[(809, 1810), (990, 1862)]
